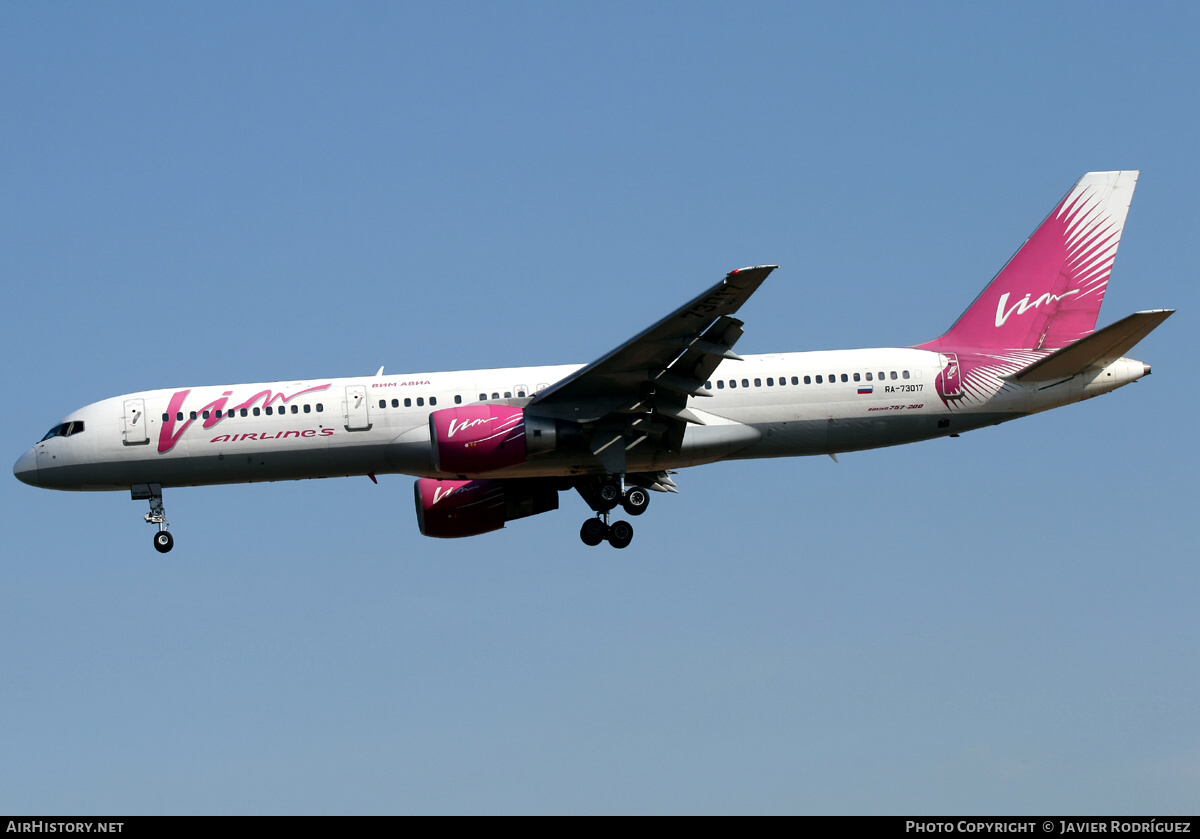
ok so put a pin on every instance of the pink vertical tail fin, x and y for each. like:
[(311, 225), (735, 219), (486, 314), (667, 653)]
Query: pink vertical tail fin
[(1049, 293)]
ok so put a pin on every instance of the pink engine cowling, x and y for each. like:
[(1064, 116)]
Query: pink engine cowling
[(451, 509), (448, 509), (477, 438)]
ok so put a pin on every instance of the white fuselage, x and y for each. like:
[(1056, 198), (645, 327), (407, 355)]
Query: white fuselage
[(760, 406)]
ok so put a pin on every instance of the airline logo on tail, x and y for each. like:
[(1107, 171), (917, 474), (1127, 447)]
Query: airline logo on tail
[(1056, 280), (1023, 305)]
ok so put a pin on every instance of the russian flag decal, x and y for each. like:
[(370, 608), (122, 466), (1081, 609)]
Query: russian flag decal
[(866, 389)]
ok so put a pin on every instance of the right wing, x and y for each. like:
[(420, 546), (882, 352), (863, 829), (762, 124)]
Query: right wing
[(637, 394)]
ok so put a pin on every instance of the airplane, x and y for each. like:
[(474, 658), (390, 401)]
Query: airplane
[(492, 446)]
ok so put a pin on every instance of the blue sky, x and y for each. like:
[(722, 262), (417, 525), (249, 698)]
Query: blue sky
[(215, 193)]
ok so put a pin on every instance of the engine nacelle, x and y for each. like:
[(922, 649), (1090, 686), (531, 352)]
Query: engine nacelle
[(450, 509), (482, 438)]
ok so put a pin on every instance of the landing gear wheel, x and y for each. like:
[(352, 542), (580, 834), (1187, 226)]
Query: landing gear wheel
[(620, 534), (636, 501), (610, 495), (593, 532), (163, 541)]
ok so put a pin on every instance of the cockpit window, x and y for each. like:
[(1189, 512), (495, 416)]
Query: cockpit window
[(65, 430), (57, 431)]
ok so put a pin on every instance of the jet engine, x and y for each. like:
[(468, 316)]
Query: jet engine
[(450, 509), (482, 438)]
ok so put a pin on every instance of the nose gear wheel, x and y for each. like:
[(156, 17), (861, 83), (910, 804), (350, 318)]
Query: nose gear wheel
[(163, 540)]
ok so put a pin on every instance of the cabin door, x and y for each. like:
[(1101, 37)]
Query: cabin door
[(949, 380), (133, 423), (357, 411)]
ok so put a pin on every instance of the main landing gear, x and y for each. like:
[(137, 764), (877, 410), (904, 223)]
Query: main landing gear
[(604, 498), (163, 540)]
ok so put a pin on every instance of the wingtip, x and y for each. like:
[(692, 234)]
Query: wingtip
[(765, 268)]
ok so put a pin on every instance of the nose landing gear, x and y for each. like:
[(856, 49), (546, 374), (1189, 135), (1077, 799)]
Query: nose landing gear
[(163, 540)]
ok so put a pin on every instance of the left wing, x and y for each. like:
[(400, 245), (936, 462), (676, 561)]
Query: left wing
[(639, 391)]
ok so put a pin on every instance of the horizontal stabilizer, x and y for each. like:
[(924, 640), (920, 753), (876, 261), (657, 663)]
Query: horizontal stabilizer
[(1099, 349)]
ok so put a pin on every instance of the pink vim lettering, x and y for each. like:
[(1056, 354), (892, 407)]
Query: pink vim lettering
[(168, 436), (439, 493), (456, 426), (1023, 305)]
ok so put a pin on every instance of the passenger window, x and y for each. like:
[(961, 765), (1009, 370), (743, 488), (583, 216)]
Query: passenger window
[(269, 410), (720, 384), (495, 396), (408, 402), (420, 401), (820, 380), (882, 375), (894, 374), (857, 377), (796, 380), (906, 374), (433, 400), (457, 399), (758, 382), (257, 411), (868, 377), (708, 385), (307, 409), (166, 417), (395, 403), (770, 382), (745, 383), (320, 407), (192, 414), (845, 378), (382, 403), (295, 409), (733, 382), (482, 397)]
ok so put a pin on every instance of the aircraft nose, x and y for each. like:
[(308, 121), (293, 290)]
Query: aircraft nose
[(26, 468)]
